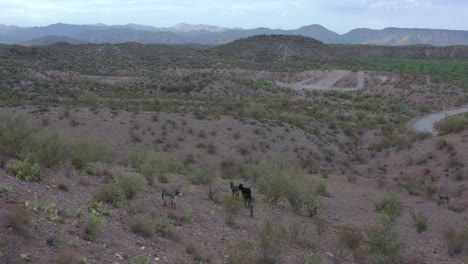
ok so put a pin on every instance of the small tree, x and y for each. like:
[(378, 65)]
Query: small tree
[(386, 244), (206, 178), (273, 179)]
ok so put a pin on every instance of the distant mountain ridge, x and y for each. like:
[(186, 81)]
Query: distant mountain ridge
[(214, 35)]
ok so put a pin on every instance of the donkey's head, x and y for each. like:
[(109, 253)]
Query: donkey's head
[(178, 190)]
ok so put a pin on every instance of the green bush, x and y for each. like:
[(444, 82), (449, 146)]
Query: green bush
[(93, 226), (390, 205), (386, 244), (314, 259), (271, 243), (15, 133), (162, 225), (412, 186), (131, 184), (141, 260), (277, 180), (302, 190), (351, 237), (452, 124), (141, 225), (457, 239), (88, 99), (26, 170), (87, 150), (50, 149), (206, 178), (154, 165), (420, 221), (272, 177), (231, 207), (112, 193), (313, 205)]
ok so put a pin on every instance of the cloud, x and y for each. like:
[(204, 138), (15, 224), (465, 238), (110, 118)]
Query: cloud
[(398, 4), (339, 15)]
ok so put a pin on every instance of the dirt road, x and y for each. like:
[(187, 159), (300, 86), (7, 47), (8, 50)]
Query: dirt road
[(426, 123), (325, 80)]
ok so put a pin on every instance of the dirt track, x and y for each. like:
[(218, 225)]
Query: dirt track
[(426, 123), (326, 80)]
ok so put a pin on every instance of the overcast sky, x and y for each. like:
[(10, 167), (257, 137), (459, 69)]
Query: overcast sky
[(338, 15)]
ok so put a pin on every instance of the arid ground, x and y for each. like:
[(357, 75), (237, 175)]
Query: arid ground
[(90, 135)]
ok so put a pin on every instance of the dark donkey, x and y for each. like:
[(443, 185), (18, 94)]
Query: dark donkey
[(172, 193), (246, 194)]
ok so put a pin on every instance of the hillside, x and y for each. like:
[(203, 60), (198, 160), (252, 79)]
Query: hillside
[(50, 40), (273, 48), (92, 135), (213, 35), (406, 36)]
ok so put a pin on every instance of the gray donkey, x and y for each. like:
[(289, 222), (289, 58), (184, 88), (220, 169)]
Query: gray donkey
[(173, 194), (234, 189)]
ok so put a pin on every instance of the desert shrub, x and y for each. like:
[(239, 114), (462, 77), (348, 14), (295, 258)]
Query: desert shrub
[(442, 144), (26, 170), (93, 226), (205, 177), (231, 207), (141, 225), (456, 238), (452, 124), (431, 189), (419, 221), (277, 180), (272, 177), (299, 234), (112, 193), (162, 225), (243, 252), (131, 184), (187, 217), (49, 149), (322, 190), (301, 188), (313, 204), (15, 133), (19, 219), (314, 259), (139, 207), (68, 256), (154, 165), (141, 260), (88, 99), (386, 244), (412, 186), (390, 205), (351, 237), (194, 250), (271, 243), (86, 150)]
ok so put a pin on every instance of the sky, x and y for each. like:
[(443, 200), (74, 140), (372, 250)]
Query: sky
[(338, 15)]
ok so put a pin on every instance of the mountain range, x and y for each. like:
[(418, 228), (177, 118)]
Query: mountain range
[(214, 35)]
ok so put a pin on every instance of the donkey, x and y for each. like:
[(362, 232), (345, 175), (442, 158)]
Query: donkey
[(246, 194), (234, 189), (173, 194)]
